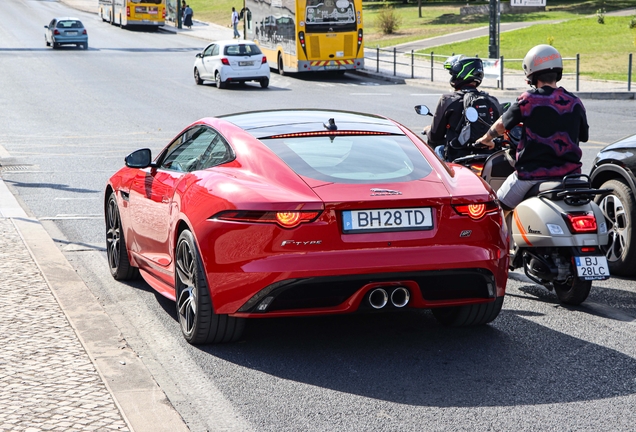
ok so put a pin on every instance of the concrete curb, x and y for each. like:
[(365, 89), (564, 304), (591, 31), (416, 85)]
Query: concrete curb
[(141, 402)]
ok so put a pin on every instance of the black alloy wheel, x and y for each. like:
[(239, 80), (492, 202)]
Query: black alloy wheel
[(619, 208), (199, 323), (118, 262)]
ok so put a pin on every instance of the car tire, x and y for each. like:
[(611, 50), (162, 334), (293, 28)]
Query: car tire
[(468, 315), (55, 45), (573, 292), (118, 262), (197, 77), (199, 324), (48, 44), (219, 84), (265, 83), (281, 66), (619, 208), (85, 45)]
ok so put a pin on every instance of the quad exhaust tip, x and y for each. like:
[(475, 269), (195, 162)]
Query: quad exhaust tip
[(379, 297), (400, 297)]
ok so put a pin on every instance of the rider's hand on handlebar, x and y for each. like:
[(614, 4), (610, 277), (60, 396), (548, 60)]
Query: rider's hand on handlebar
[(485, 141)]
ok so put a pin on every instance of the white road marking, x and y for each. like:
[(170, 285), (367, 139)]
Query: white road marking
[(370, 94), (82, 198), (425, 94)]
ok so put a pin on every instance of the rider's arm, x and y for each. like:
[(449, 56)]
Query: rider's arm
[(436, 134), (497, 129)]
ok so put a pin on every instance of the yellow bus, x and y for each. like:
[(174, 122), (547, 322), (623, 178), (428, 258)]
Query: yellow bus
[(307, 35), (124, 13)]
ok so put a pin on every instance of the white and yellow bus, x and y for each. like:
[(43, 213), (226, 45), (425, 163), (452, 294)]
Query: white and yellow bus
[(307, 35), (124, 13)]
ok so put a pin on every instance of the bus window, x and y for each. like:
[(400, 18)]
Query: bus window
[(330, 15)]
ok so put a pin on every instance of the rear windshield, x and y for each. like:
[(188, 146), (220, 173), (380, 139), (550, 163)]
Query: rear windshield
[(148, 1), (66, 24), (241, 50), (353, 159)]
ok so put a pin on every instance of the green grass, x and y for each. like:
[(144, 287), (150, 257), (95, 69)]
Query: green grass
[(603, 48)]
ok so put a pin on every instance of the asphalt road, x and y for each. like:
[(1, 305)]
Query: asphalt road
[(68, 117)]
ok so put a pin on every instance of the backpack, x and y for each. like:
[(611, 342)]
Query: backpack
[(488, 110)]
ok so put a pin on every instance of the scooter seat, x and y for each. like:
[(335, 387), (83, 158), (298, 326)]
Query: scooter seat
[(550, 185)]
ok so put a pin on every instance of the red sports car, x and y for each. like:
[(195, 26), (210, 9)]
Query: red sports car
[(305, 212)]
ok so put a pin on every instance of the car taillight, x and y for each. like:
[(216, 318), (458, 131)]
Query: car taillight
[(84, 32), (56, 32), (582, 222), (285, 219), (264, 60), (225, 61), (476, 211)]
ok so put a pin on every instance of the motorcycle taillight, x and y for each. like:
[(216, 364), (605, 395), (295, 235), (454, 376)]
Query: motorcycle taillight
[(581, 222)]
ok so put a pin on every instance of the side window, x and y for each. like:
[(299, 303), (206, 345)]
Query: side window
[(219, 152), (187, 151), (215, 50), (208, 51)]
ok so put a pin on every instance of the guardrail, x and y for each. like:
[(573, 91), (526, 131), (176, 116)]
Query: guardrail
[(423, 66)]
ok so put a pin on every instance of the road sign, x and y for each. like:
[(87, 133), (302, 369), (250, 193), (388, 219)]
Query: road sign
[(527, 3)]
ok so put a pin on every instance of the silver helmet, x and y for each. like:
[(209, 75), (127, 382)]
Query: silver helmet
[(542, 58)]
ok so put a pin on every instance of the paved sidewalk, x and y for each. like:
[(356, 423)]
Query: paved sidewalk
[(64, 365)]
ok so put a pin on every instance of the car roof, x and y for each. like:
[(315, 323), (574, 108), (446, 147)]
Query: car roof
[(262, 124), (68, 19), (233, 42)]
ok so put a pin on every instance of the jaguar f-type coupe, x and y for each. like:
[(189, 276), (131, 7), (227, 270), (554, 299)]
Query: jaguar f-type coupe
[(305, 212)]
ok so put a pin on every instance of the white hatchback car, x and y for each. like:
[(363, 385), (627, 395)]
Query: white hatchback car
[(231, 61)]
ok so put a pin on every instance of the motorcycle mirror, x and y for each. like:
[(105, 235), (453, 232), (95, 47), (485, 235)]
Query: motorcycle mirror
[(471, 114), (422, 110)]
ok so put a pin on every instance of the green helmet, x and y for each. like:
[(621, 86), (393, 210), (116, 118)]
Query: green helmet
[(464, 70)]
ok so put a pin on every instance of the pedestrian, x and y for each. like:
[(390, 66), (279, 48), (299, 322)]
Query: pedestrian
[(187, 16), (554, 122), (183, 6), (235, 21)]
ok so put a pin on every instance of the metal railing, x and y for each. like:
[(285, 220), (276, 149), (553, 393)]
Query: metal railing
[(423, 66)]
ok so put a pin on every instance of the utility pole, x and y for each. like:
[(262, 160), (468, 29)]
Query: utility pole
[(493, 46), (179, 12)]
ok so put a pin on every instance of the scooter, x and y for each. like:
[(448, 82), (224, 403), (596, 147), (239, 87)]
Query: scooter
[(557, 231)]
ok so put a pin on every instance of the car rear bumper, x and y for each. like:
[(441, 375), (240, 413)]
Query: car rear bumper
[(346, 294), (70, 40), (230, 75), (316, 283)]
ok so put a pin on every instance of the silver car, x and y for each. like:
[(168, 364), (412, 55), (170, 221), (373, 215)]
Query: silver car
[(66, 31), (231, 61)]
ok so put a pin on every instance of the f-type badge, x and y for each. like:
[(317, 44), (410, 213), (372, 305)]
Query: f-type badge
[(466, 233), (381, 192)]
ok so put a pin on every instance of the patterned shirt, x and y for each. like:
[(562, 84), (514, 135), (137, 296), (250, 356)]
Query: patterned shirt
[(554, 122)]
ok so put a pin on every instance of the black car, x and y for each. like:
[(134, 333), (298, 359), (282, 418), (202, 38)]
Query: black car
[(614, 168)]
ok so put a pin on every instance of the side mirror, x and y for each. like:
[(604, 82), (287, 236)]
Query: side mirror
[(422, 110), (46, 27), (139, 159), (199, 55), (471, 114)]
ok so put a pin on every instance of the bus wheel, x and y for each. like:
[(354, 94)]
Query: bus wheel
[(281, 70)]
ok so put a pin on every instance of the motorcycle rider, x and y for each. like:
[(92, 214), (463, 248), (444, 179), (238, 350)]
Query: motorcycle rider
[(466, 75), (553, 122)]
